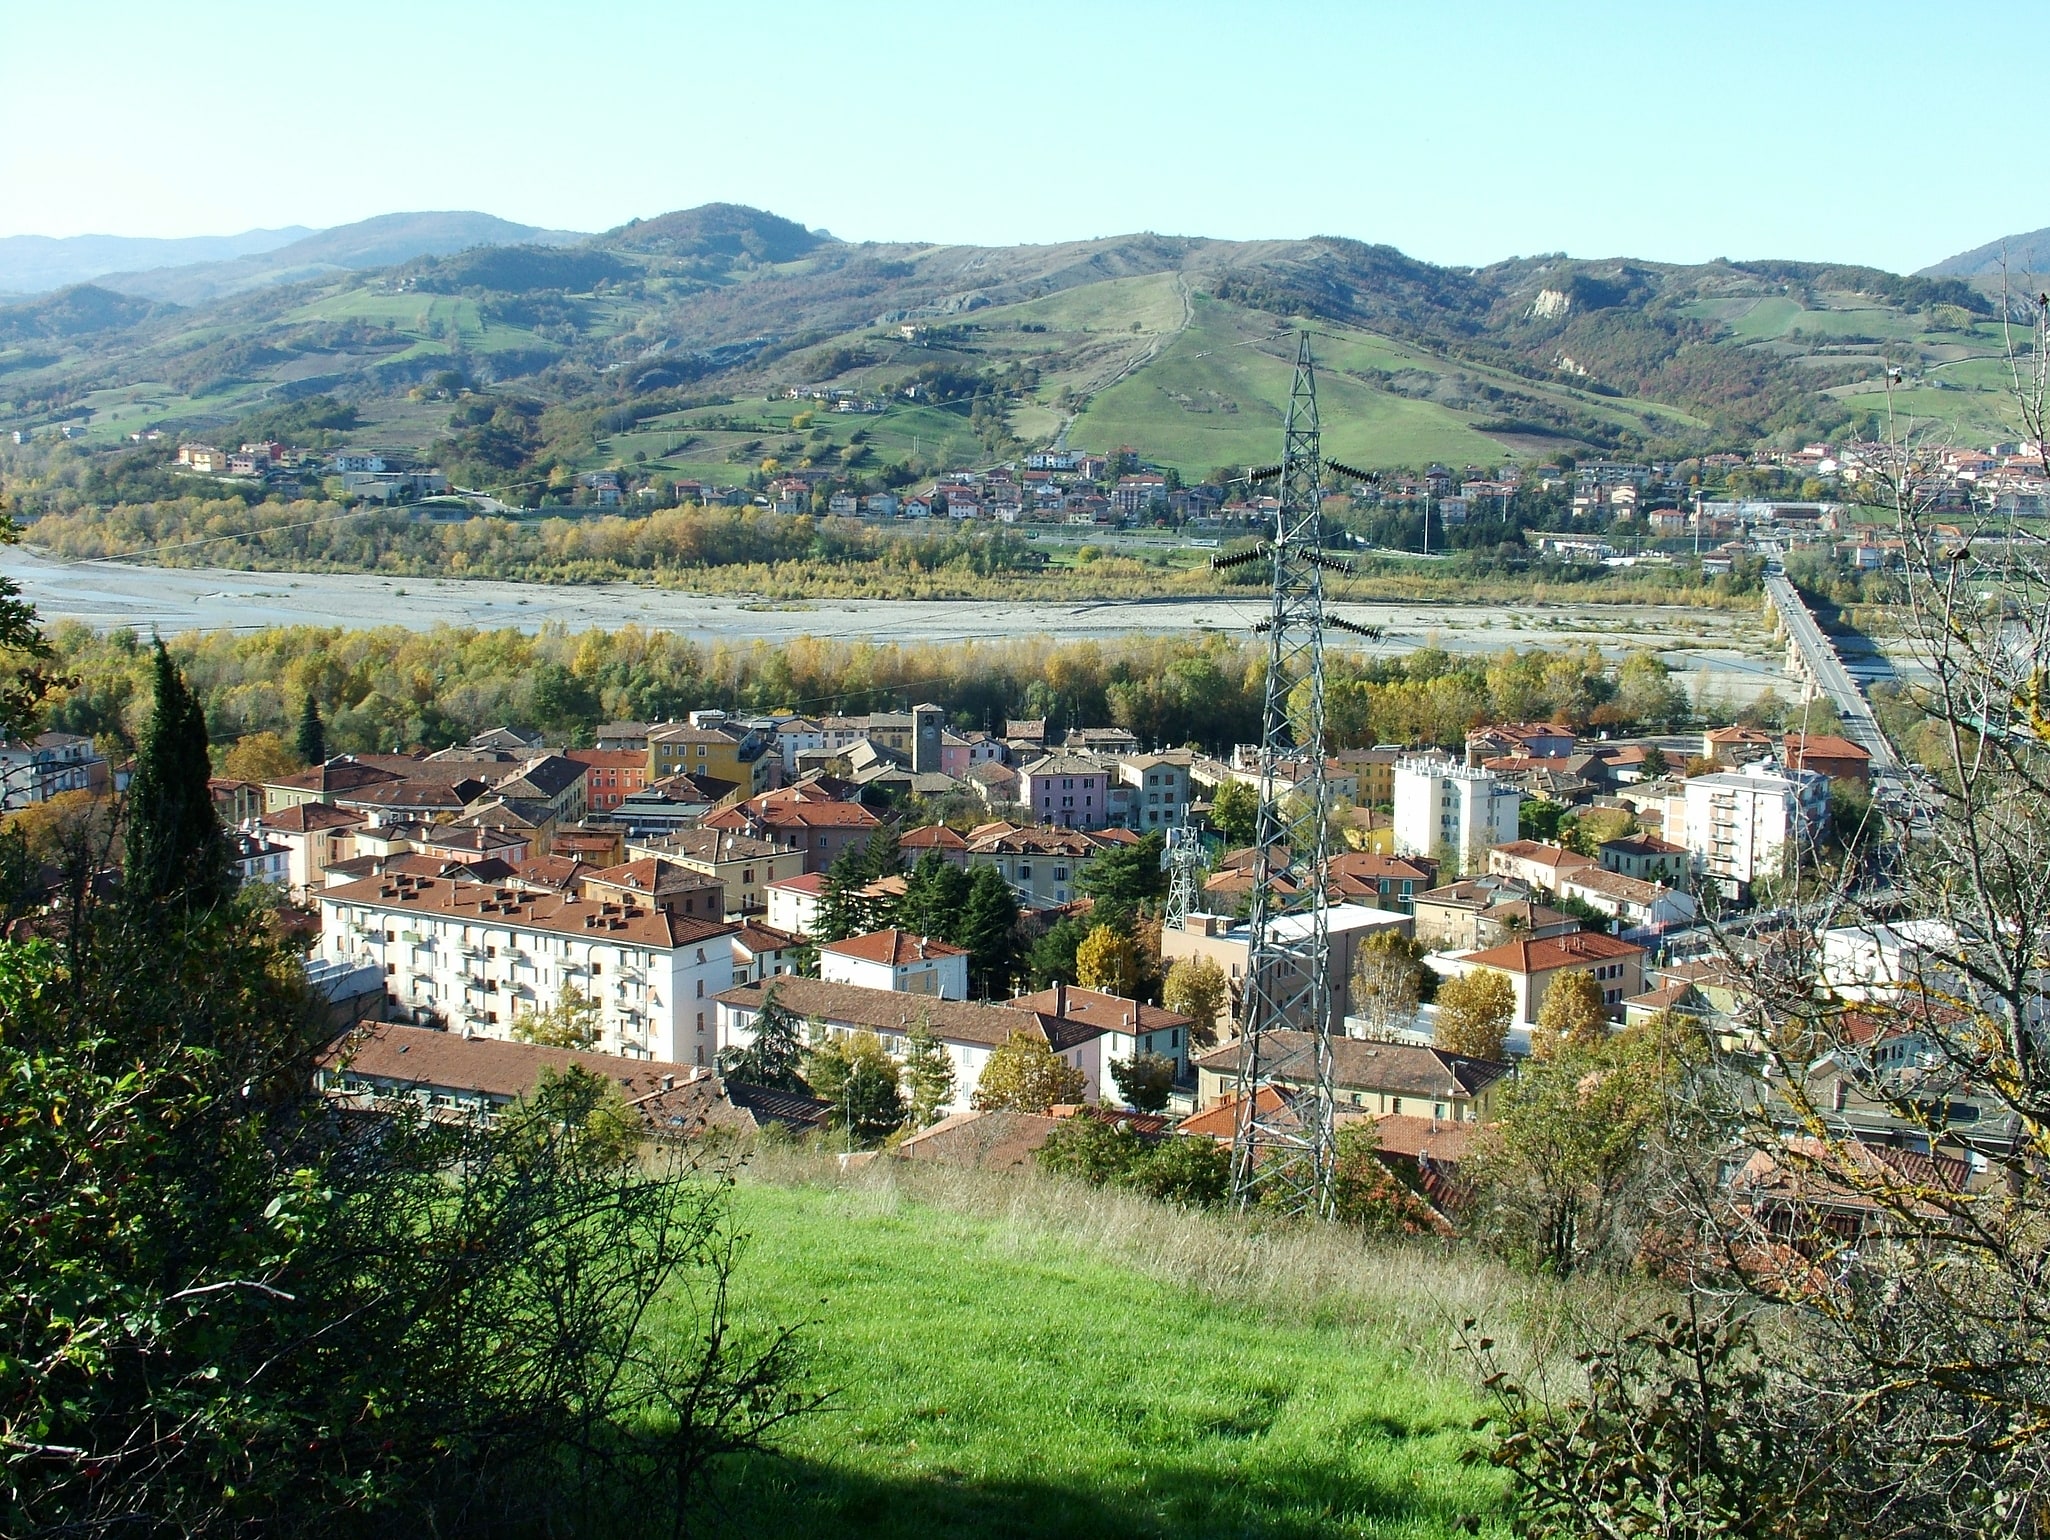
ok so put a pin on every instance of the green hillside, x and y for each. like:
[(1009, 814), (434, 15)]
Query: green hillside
[(667, 345), (1001, 1366)]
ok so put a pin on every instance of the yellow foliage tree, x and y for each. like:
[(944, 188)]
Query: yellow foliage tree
[(261, 757), (1474, 1013), (1196, 987), (1025, 1075), (1574, 1016), (1108, 960), (571, 1022)]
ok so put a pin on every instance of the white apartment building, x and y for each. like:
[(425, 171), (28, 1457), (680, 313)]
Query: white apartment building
[(1452, 811), (897, 960), (1740, 825), (473, 957)]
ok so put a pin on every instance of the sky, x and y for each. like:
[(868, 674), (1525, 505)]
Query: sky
[(1461, 131)]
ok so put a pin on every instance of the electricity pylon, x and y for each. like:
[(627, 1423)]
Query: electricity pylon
[(1282, 1149), (1181, 858)]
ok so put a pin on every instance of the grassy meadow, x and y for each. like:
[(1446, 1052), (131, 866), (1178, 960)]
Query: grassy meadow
[(1011, 1356)]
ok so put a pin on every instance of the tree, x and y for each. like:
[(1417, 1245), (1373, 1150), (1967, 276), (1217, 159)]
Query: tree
[(312, 739), (929, 1071), (1388, 983), (860, 1079), (1024, 1074), (175, 854), (260, 757), (1367, 1194), (574, 1020), (1196, 987), (1051, 958), (881, 854), (1573, 1016), (1145, 1080), (1107, 959), (843, 911), (1654, 762), (935, 901), (1474, 1013), (1538, 819), (1125, 879), (1189, 1171), (1589, 830), (1235, 812), (989, 930), (775, 1057), (25, 682)]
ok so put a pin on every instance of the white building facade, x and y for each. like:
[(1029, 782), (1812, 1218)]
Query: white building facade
[(1444, 809), (474, 958), (897, 960), (1741, 826)]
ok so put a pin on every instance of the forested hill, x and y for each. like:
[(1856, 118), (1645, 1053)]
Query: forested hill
[(625, 346)]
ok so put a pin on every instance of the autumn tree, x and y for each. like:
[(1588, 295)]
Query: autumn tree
[(1573, 1016), (260, 757), (1475, 1012), (573, 1021), (1145, 1080), (1108, 960), (1389, 980), (854, 1072), (1196, 987), (1024, 1074), (1366, 1193)]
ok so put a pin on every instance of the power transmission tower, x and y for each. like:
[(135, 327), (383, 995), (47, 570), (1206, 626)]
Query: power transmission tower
[(1282, 1150), (1181, 859)]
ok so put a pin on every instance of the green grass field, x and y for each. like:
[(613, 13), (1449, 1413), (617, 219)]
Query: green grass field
[(1027, 1359)]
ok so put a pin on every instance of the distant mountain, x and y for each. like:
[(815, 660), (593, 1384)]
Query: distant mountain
[(2022, 254), (75, 312), (34, 264), (716, 230), (383, 241)]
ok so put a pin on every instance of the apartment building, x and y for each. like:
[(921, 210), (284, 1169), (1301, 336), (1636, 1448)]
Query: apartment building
[(1453, 812)]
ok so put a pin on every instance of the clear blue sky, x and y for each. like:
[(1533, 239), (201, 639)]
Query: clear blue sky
[(1462, 132)]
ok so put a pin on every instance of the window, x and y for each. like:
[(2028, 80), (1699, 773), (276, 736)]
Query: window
[(701, 989), (1396, 1105), (391, 935), (701, 1021), (701, 954)]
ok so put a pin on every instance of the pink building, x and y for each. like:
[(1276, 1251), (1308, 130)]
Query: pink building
[(1071, 790)]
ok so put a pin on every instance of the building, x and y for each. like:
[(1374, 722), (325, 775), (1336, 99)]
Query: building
[(1647, 858), (669, 886), (1044, 866), (934, 839), (448, 1075), (897, 960), (258, 859), (1226, 941), (1154, 788), (610, 774), (1536, 864), (1479, 912), (1373, 771), (473, 957), (46, 766), (324, 783), (1520, 740), (1830, 755), (792, 903), (970, 1032), (742, 865), (800, 819), (316, 836), (726, 752), (1400, 1079), (1452, 812), (1533, 963), (1744, 826), (1070, 790), (763, 952), (1129, 1028), (673, 803), (556, 781), (1386, 882), (1631, 901)]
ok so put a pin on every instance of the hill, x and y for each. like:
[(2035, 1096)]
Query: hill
[(2019, 253), (35, 264), (383, 241), (1016, 1357), (669, 344)]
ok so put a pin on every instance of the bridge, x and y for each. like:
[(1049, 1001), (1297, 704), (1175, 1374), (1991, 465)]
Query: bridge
[(1813, 657)]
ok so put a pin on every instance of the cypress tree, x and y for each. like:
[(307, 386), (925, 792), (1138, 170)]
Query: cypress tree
[(312, 733), (175, 853)]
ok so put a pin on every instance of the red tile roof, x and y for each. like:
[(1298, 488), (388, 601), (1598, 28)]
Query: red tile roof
[(1552, 952), (309, 818), (893, 947), (524, 909)]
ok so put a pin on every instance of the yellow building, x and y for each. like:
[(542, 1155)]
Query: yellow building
[(740, 757)]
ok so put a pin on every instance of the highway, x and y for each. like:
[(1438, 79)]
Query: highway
[(1828, 672)]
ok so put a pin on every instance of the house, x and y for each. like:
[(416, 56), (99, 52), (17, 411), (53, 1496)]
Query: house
[(1479, 912), (1647, 858), (726, 752), (257, 859), (1043, 866), (896, 959), (669, 886), (1535, 863), (672, 803), (235, 802), (316, 836), (46, 766), (448, 1075), (1830, 755), (1071, 790), (763, 952), (799, 818), (1882, 961), (1631, 901), (1522, 740), (742, 865), (1371, 1077), (1129, 1028), (1532, 965), (1386, 882), (1452, 812), (449, 842), (1373, 771), (323, 783), (969, 1032), (474, 956), (988, 1141), (933, 839), (1155, 787), (792, 903), (610, 775), (1734, 746)]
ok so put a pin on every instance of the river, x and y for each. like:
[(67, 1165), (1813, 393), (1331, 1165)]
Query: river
[(1726, 650)]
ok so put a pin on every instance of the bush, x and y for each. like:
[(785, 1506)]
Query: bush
[(1185, 1170)]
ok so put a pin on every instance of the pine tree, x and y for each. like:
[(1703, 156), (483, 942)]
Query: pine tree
[(843, 912), (935, 901), (881, 854), (929, 1072), (312, 742), (988, 929), (774, 1058), (175, 853)]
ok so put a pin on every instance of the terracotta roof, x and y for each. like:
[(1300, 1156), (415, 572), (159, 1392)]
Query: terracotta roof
[(608, 759), (1557, 857), (712, 845), (652, 875), (812, 883), (440, 796), (1550, 952), (796, 815), (345, 774), (932, 836), (890, 1010), (309, 817), (1444, 1140), (1046, 841), (895, 948), (1371, 867), (1360, 1065), (558, 873), (1643, 845), (755, 938), (1106, 1012), (523, 909), (993, 1141), (1220, 1121), (672, 1099), (1823, 746)]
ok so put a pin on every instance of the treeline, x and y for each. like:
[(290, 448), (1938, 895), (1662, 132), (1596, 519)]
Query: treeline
[(388, 687)]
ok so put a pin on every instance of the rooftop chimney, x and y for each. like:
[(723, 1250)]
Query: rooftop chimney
[(1060, 998)]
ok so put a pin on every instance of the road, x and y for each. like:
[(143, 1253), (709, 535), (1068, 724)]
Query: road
[(1828, 671)]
